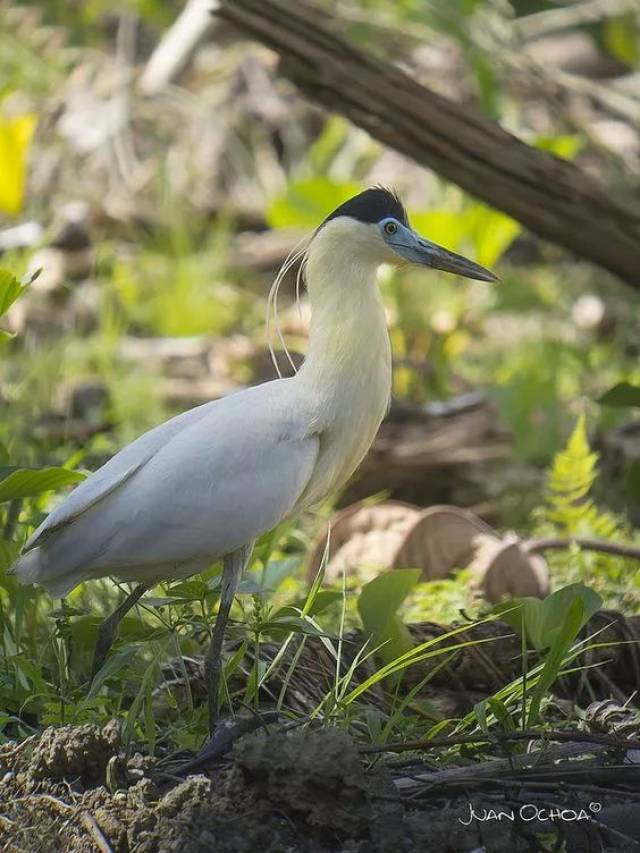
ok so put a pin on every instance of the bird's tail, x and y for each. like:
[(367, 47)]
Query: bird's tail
[(32, 567), (28, 567)]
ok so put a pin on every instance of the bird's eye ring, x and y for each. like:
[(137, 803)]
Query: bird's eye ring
[(390, 228)]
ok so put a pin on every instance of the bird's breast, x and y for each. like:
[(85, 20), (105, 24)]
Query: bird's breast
[(350, 410)]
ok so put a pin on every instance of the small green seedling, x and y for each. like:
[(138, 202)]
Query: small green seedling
[(551, 626)]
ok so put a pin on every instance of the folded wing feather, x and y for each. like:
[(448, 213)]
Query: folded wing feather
[(182, 495)]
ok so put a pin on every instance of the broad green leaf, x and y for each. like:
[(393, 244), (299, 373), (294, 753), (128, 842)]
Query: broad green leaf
[(621, 395), (115, 663), (18, 482), (377, 605), (10, 290), (446, 227), (306, 203), (544, 620), (493, 232), (501, 713), (488, 231), (574, 618), (15, 139)]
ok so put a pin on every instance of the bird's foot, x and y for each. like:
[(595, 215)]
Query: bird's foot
[(225, 734)]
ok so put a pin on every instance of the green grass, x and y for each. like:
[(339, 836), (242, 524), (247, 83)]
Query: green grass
[(46, 650)]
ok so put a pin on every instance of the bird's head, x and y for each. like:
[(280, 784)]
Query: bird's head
[(374, 224)]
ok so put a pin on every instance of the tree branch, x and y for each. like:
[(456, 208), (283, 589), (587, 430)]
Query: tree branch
[(618, 549), (552, 197), (505, 737)]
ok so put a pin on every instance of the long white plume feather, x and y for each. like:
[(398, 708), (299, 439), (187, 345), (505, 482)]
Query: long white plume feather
[(297, 254)]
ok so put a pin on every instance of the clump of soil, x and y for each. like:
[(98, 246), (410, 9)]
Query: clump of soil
[(75, 752), (304, 790), (316, 775)]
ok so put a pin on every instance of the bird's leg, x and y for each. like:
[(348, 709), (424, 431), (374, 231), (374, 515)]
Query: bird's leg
[(233, 566), (108, 630)]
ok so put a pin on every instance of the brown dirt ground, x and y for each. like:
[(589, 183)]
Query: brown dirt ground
[(73, 789)]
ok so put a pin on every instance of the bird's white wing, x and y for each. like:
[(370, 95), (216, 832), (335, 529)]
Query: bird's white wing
[(115, 473), (218, 483)]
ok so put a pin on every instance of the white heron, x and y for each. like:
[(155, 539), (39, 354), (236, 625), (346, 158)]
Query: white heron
[(205, 484)]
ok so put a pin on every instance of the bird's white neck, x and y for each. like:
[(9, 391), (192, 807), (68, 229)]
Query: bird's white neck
[(348, 366)]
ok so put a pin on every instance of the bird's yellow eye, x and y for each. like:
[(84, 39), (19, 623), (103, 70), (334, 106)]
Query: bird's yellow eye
[(390, 228)]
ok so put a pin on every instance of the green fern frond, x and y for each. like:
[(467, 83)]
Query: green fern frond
[(568, 505), (569, 511)]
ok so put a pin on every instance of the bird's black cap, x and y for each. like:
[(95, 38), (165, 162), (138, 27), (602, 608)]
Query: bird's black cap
[(371, 206)]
